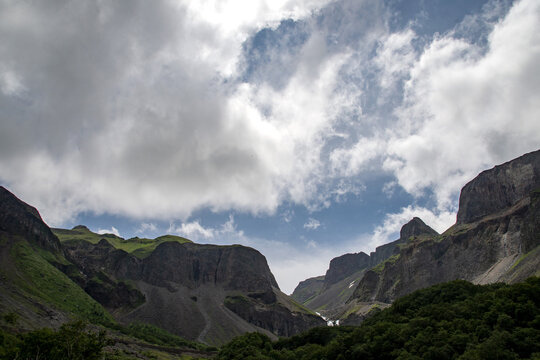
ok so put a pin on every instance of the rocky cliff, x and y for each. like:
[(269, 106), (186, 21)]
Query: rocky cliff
[(190, 289), (329, 294), (169, 281), (496, 238), (344, 266), (499, 188), (19, 218), (308, 288), (31, 285)]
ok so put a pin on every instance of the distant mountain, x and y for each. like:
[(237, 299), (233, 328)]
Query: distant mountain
[(329, 294), (206, 293), (496, 238)]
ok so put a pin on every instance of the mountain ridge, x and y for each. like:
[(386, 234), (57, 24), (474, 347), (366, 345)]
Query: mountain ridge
[(335, 288), (495, 238), (170, 282), (482, 250)]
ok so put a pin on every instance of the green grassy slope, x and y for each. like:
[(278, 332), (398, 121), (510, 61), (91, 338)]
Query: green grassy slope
[(140, 247), (32, 274)]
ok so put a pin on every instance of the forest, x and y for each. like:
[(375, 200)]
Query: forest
[(454, 320)]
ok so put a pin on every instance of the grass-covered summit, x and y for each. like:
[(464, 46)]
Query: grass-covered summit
[(140, 247)]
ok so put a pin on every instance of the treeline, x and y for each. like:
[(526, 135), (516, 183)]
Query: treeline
[(79, 340), (455, 320), (72, 341)]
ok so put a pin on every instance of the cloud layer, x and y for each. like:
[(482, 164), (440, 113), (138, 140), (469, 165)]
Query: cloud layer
[(156, 110)]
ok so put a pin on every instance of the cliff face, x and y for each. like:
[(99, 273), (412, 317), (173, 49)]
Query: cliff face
[(168, 282), (330, 294), (308, 288), (191, 265), (496, 238), (232, 267), (499, 188), (343, 266), (187, 289), (19, 218)]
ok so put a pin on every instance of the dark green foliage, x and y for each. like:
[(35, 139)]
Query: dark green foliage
[(251, 346), (158, 336), (8, 345), (11, 318), (455, 320), (71, 341)]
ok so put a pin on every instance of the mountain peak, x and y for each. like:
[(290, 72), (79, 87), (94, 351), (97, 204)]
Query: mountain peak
[(80, 227), (7, 199), (415, 227), (19, 218)]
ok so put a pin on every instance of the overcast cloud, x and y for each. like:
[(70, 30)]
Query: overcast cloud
[(156, 110)]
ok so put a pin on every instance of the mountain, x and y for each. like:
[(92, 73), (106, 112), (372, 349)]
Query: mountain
[(329, 294), (31, 286), (495, 238), (206, 293), (220, 291)]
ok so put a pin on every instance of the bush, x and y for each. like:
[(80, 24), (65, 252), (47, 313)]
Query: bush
[(70, 342)]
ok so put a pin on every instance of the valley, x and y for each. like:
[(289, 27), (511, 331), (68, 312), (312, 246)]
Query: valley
[(196, 298)]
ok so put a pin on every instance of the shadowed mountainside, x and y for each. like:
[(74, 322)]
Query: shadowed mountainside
[(187, 289), (329, 294), (496, 237)]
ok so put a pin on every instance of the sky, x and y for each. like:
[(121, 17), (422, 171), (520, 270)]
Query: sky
[(306, 129)]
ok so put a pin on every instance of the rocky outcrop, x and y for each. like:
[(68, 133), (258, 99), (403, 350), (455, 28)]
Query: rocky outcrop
[(192, 265), (415, 228), (346, 271), (272, 315), (499, 188), (495, 238), (19, 218), (383, 252), (187, 283), (168, 282), (308, 288), (343, 266), (232, 267)]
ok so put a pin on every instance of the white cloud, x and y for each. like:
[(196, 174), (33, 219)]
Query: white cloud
[(152, 121), (231, 21), (146, 227), (389, 188), (112, 230), (143, 123), (466, 110), (287, 215), (351, 161), (193, 231), (395, 57), (10, 83), (312, 224), (223, 234)]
